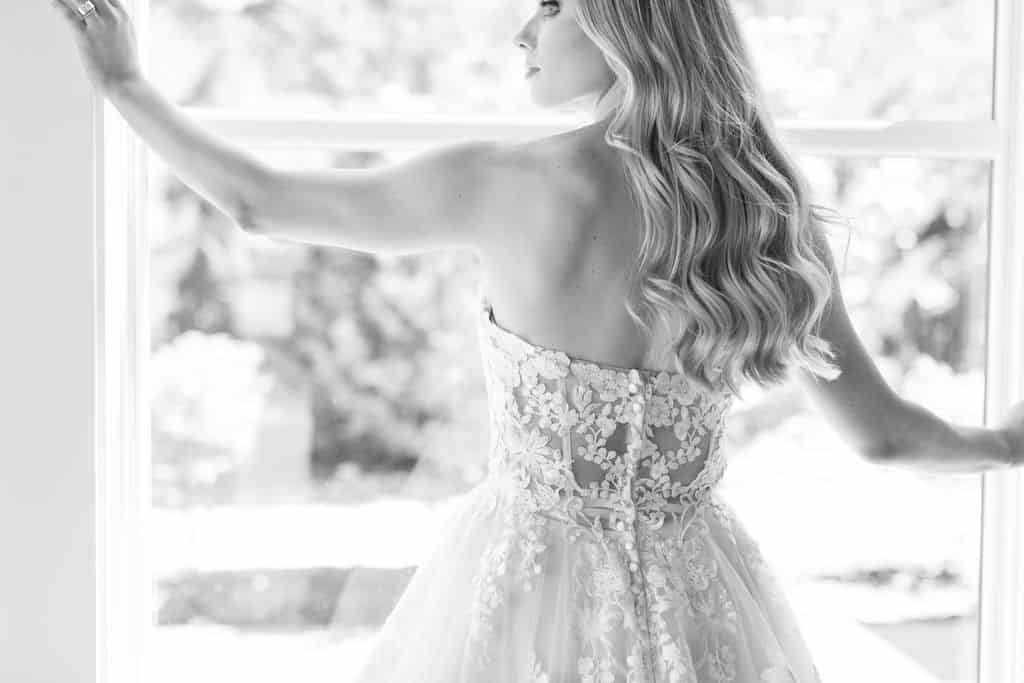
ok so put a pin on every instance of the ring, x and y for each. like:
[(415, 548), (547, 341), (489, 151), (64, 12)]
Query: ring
[(86, 8)]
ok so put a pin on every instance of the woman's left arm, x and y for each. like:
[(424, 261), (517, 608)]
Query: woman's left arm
[(224, 175), (886, 428)]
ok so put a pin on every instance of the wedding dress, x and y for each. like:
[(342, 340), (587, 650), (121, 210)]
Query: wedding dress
[(596, 549)]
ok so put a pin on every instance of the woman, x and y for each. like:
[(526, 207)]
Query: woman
[(597, 548)]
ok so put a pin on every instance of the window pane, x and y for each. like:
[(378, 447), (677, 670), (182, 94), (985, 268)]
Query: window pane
[(882, 562), (887, 59), (929, 59), (315, 411)]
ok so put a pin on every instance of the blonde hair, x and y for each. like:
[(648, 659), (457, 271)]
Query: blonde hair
[(728, 230)]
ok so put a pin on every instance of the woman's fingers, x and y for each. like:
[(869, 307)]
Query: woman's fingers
[(67, 11), (70, 8), (106, 7)]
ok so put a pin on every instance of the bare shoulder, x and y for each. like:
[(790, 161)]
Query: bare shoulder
[(536, 184)]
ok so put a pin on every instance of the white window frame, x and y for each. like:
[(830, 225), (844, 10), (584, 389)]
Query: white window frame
[(113, 206)]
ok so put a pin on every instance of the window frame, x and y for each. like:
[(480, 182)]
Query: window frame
[(122, 452)]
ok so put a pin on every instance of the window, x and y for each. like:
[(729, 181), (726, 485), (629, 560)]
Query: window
[(962, 164), (915, 275)]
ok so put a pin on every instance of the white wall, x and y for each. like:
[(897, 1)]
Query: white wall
[(47, 545)]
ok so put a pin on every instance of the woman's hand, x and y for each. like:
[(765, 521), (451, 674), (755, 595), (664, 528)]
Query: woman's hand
[(106, 41), (1013, 426)]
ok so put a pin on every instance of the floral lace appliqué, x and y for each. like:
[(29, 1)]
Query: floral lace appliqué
[(617, 468)]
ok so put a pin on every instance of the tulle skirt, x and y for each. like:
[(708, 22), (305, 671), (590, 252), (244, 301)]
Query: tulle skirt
[(508, 594)]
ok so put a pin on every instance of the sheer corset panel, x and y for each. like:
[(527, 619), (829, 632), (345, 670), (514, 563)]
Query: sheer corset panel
[(624, 445)]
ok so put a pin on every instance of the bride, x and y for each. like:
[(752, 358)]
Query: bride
[(636, 271)]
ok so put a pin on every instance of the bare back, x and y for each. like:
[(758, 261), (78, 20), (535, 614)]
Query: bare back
[(564, 236)]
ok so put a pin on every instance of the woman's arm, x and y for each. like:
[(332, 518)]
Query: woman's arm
[(442, 198), (224, 175), (882, 426), (920, 439), (438, 199), (445, 197)]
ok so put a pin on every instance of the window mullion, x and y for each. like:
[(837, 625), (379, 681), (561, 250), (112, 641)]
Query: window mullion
[(1001, 618), (936, 139)]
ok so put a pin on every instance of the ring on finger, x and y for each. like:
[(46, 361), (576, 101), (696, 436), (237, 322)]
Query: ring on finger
[(85, 9)]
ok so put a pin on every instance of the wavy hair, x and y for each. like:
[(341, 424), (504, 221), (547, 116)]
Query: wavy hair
[(729, 235)]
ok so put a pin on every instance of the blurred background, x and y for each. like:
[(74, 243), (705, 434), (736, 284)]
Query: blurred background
[(314, 411)]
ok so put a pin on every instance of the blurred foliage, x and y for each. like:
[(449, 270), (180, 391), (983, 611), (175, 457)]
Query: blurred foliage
[(913, 258), (208, 392), (928, 59), (383, 346)]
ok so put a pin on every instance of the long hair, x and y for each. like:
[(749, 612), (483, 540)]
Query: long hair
[(729, 235)]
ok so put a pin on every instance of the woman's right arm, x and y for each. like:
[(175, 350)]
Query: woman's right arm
[(222, 173)]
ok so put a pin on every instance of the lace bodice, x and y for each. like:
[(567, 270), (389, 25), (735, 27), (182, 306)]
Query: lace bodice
[(577, 433), (625, 459)]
